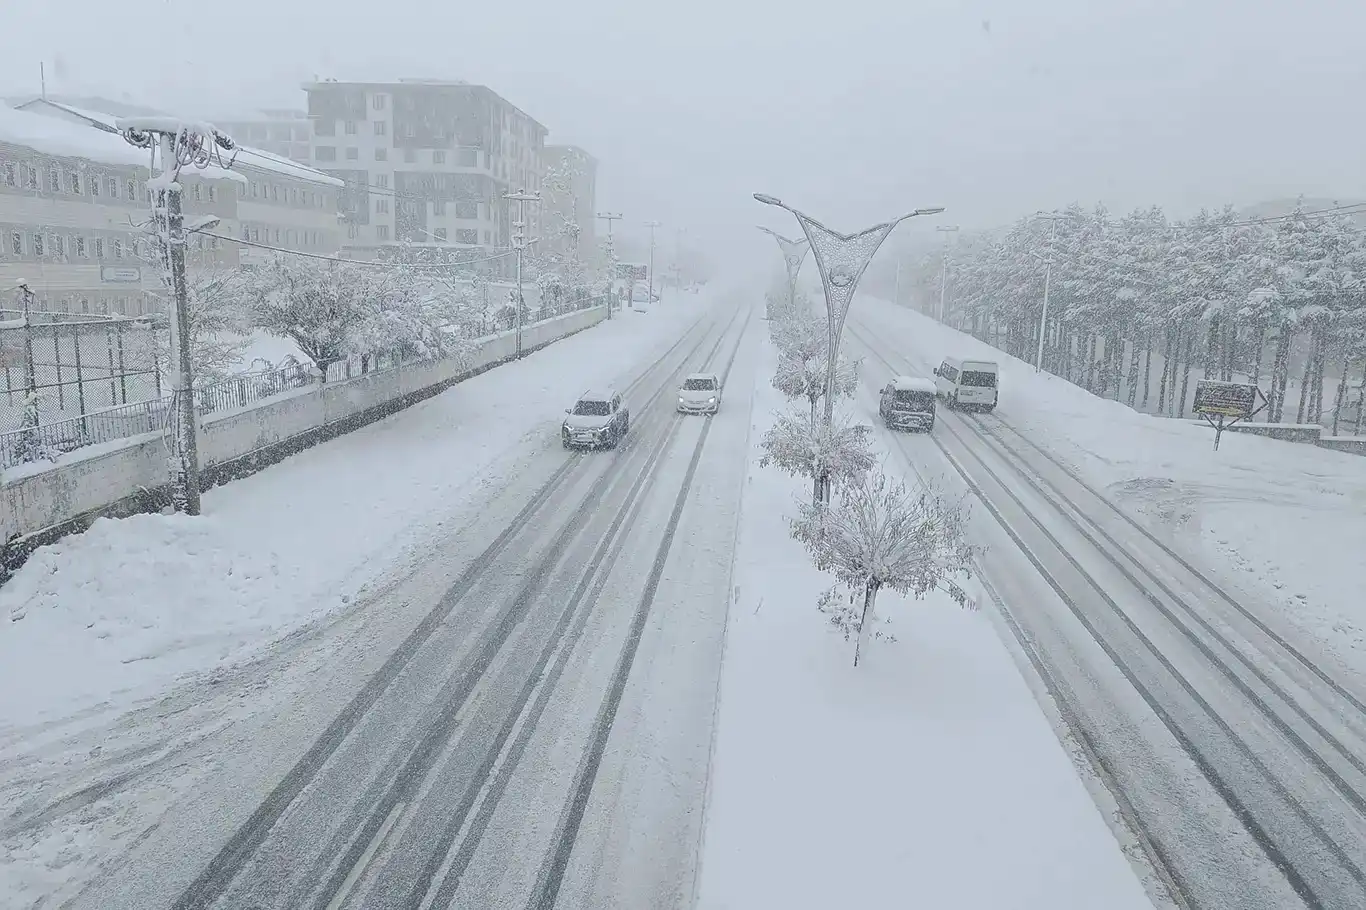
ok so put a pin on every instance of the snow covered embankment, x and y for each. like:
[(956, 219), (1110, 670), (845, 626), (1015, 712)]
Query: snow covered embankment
[(927, 776)]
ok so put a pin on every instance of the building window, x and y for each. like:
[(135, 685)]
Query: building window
[(213, 194), (274, 192), (32, 175), (94, 185), (16, 243), (350, 232), (350, 127), (486, 238), (198, 193), (277, 236), (377, 102), (410, 156), (111, 186), (325, 153), (104, 306), (85, 304), (116, 247), (353, 154), (440, 234), (99, 247), (11, 174), (467, 210), (439, 207), (74, 183), (381, 154), (54, 183), (381, 128), (289, 236), (37, 244), (409, 131), (438, 157), (256, 235), (58, 246), (324, 128), (467, 236), (132, 188), (80, 247), (382, 181), (382, 206), (381, 232)]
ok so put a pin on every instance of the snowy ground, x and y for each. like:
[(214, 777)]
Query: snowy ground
[(1280, 521), (926, 777), (123, 609)]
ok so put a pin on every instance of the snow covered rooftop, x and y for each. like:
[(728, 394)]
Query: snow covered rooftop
[(913, 384), (67, 140)]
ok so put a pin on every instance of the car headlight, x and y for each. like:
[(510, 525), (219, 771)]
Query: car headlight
[(680, 400), (711, 400)]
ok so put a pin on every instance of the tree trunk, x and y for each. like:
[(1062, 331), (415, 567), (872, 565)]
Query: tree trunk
[(1186, 373), (1258, 352), (1230, 350), (1212, 336), (1304, 387), (1132, 378), (870, 589), (1341, 397), (1280, 373), (1361, 399), (1091, 340), (1320, 366), (1166, 369), (1148, 366)]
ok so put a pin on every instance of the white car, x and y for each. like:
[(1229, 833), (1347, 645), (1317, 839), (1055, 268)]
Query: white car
[(700, 394), (598, 419)]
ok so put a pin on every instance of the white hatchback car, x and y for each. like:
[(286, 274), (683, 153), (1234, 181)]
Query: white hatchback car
[(700, 394)]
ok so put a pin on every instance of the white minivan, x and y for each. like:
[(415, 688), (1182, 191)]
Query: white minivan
[(967, 384)]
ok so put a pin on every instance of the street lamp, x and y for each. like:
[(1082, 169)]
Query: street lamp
[(519, 242), (794, 253), (841, 260)]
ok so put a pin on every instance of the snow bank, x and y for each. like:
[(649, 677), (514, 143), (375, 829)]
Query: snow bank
[(1280, 522), (67, 140), (123, 609), (927, 777)]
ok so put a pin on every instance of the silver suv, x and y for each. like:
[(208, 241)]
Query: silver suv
[(597, 420)]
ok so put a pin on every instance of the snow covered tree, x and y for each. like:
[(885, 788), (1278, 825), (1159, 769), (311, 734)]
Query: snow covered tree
[(801, 445), (800, 376), (880, 534)]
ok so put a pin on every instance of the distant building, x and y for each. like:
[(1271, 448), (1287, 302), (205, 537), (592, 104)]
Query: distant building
[(279, 203), (570, 199), (427, 163), (287, 133)]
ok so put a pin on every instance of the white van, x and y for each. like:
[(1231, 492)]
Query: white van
[(967, 384)]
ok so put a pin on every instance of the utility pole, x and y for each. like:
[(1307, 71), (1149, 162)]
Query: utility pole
[(650, 293), (519, 242), (179, 144), (611, 258), (1047, 281), (944, 265)]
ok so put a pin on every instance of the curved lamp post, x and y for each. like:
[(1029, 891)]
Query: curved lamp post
[(841, 260), (794, 252)]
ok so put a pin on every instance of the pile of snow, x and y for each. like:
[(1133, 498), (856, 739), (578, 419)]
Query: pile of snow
[(926, 777), (124, 609), (1280, 522)]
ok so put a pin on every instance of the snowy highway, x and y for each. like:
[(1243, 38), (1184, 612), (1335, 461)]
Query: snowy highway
[(501, 753), (1236, 758)]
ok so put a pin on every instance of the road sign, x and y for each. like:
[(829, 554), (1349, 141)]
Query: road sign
[(1229, 399), (1223, 404), (120, 274)]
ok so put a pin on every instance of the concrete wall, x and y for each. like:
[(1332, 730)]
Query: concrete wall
[(129, 476)]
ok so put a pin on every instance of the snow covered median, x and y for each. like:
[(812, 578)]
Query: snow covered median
[(927, 776), (1281, 522), (124, 609)]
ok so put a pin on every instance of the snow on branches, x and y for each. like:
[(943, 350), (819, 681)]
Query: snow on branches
[(801, 445), (880, 534)]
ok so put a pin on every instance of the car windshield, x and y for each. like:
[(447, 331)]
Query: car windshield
[(911, 398), (699, 385), (592, 409), (978, 378)]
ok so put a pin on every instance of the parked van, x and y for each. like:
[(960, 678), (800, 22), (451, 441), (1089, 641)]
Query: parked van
[(908, 403), (967, 384)]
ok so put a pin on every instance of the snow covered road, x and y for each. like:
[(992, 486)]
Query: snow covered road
[(480, 700), (1240, 758)]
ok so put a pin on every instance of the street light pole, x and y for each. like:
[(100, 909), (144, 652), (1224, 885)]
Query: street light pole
[(650, 278), (610, 217), (794, 253), (944, 265), (519, 242), (841, 260), (179, 144), (1047, 282)]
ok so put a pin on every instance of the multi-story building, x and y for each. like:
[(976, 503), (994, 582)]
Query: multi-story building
[(72, 202), (427, 163), (571, 177), (287, 133)]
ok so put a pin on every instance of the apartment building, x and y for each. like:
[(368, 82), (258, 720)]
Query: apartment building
[(427, 163), (278, 203), (72, 203), (571, 178)]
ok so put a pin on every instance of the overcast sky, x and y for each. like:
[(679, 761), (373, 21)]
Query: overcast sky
[(852, 109)]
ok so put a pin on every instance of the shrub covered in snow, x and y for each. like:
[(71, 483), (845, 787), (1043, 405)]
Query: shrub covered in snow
[(803, 446)]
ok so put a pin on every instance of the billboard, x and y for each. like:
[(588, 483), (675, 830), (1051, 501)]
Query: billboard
[(1229, 399)]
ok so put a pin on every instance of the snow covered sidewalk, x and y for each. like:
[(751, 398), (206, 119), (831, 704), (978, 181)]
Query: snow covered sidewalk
[(1282, 522), (119, 612), (926, 777)]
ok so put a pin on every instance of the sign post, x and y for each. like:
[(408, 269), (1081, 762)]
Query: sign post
[(1224, 404)]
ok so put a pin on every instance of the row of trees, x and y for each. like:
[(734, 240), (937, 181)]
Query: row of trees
[(1137, 304), (864, 527)]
